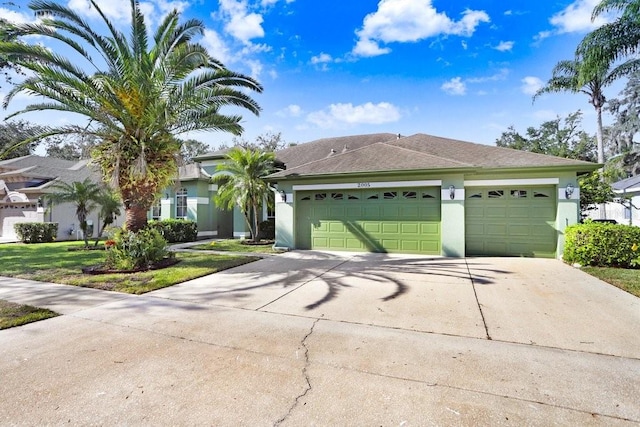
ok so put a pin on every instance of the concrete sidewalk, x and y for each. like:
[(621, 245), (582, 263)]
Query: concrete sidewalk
[(312, 338)]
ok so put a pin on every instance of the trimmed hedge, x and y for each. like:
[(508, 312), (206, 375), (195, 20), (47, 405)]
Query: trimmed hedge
[(268, 229), (602, 245), (36, 232), (176, 230)]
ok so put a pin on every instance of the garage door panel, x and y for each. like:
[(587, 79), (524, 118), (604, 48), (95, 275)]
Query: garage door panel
[(389, 220), (519, 222), (409, 228), (390, 228)]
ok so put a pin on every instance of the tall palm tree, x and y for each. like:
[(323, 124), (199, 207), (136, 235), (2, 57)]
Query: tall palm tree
[(83, 194), (566, 77), (241, 183), (136, 95), (613, 41)]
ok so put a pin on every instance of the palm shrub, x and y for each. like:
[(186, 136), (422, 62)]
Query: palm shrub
[(242, 184), (139, 250)]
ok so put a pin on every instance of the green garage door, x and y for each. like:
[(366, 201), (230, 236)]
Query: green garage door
[(518, 221), (404, 220)]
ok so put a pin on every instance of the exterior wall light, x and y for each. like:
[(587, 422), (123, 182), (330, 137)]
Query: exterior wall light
[(283, 195), (568, 191), (452, 192)]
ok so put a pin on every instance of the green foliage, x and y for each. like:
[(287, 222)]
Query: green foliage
[(603, 245), (269, 142), (594, 191), (83, 195), (12, 133), (191, 148), (268, 229), (561, 138), (147, 87), (241, 183), (136, 250), (176, 230), (36, 232)]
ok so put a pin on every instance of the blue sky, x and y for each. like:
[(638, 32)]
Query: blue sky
[(459, 69)]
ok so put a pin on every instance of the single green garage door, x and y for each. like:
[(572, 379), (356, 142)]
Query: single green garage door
[(403, 220), (518, 221)]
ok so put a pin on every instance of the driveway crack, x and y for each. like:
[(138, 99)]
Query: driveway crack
[(475, 293), (305, 374)]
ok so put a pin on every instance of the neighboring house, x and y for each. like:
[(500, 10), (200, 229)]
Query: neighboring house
[(26, 179), (425, 195), (23, 182), (191, 197), (626, 210)]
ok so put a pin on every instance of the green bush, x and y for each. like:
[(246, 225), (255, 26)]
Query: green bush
[(36, 232), (602, 245), (176, 230), (132, 251), (268, 229)]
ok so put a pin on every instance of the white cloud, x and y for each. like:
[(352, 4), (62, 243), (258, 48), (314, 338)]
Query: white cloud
[(292, 110), (500, 75), (577, 17), (241, 24), (349, 114), (504, 46), (117, 10), (455, 86), (267, 3), (531, 85), (216, 46), (15, 17), (323, 58), (410, 21)]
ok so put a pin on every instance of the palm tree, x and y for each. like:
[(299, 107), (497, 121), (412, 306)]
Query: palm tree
[(566, 77), (613, 41), (137, 96), (110, 205), (242, 184), (83, 195)]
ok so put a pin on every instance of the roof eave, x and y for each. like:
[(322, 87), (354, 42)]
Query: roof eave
[(371, 173)]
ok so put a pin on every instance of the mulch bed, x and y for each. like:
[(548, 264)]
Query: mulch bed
[(100, 269)]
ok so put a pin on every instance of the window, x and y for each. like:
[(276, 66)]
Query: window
[(518, 193), (537, 194), (320, 196), (337, 196), (389, 195), (475, 196), (306, 198), (427, 196), (181, 203), (496, 194), (409, 194), (353, 197), (156, 211)]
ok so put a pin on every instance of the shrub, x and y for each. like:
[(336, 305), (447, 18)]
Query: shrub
[(176, 230), (36, 232), (268, 229), (132, 251), (602, 245)]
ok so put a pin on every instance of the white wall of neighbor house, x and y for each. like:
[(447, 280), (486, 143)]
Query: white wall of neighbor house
[(626, 213)]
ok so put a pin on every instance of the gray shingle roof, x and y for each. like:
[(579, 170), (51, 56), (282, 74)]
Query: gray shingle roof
[(627, 183), (51, 168), (387, 152)]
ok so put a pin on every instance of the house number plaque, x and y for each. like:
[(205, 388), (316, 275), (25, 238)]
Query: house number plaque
[(364, 185)]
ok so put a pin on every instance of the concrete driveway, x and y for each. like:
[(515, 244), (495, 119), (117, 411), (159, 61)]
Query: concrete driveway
[(315, 338)]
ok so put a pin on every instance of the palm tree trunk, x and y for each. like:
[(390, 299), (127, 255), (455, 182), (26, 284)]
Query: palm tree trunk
[(602, 212), (135, 217)]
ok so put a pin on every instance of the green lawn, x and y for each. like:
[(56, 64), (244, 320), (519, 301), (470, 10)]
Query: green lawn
[(236, 245), (625, 279), (12, 314), (53, 262)]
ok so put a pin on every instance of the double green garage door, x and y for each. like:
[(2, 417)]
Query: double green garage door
[(403, 220), (498, 221)]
